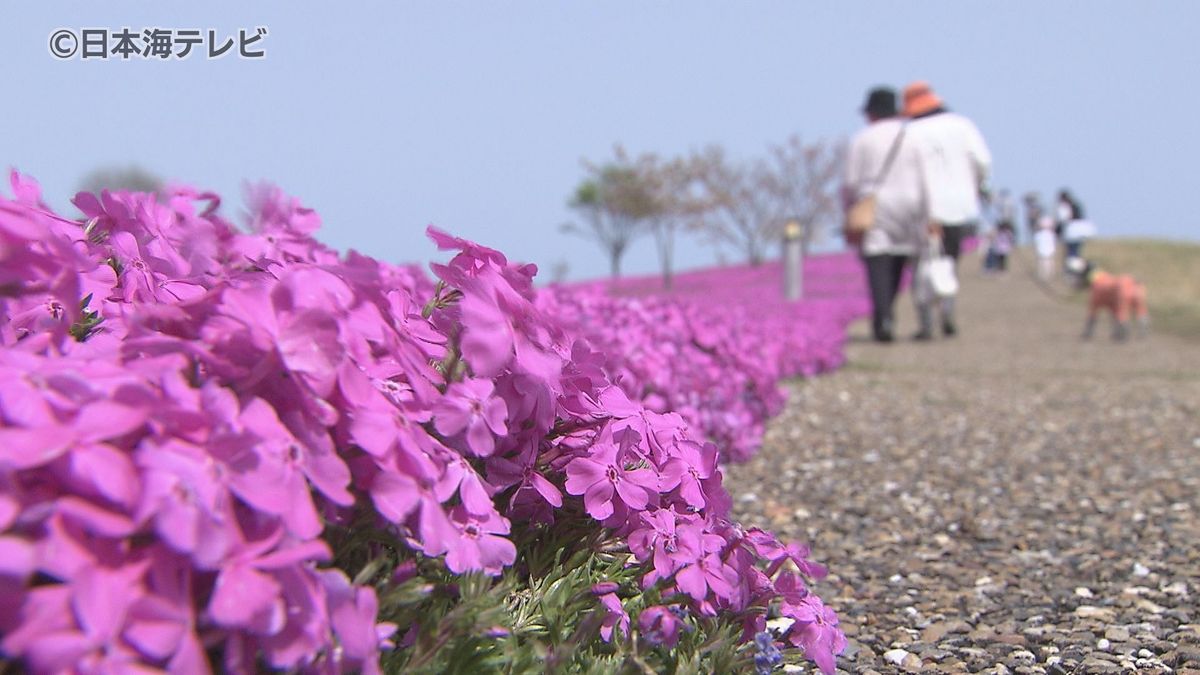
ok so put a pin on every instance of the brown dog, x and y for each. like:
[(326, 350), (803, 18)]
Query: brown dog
[(1120, 294)]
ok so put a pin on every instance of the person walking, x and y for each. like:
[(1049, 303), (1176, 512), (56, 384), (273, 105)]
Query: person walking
[(1005, 209), (1044, 243), (882, 165), (1066, 209), (1033, 213), (955, 163), (1076, 229)]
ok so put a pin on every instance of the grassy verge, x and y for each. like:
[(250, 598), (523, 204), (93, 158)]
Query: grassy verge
[(1169, 269)]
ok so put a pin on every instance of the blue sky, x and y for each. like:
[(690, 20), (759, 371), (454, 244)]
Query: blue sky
[(388, 116)]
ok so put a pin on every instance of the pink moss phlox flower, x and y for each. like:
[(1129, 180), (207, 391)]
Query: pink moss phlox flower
[(791, 588), (660, 626), (604, 587), (248, 592), (778, 554), (305, 340), (26, 190), (93, 613), (488, 335), (469, 406), (147, 277), (186, 495), (405, 315), (603, 477), (396, 494), (162, 623), (91, 424), (352, 613), (307, 627), (459, 476), (407, 499), (474, 256), (271, 469), (404, 571), (388, 422), (501, 324), (816, 630), (670, 541), (529, 399), (615, 617), (281, 228), (478, 546), (708, 574), (692, 464), (520, 471)]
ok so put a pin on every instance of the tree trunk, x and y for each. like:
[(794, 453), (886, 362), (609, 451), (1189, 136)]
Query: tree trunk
[(664, 240), (754, 254)]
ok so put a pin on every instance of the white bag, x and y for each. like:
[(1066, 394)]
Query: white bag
[(934, 276), (942, 277)]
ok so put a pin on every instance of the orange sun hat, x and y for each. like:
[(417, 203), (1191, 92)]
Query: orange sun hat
[(919, 99)]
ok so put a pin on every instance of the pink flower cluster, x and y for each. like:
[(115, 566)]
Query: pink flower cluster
[(719, 370), (185, 406)]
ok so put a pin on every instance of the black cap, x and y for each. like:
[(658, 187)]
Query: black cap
[(881, 102)]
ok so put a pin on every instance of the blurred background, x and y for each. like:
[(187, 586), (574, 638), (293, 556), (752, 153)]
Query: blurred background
[(487, 119)]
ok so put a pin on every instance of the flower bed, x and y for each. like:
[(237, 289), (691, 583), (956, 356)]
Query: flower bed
[(239, 450)]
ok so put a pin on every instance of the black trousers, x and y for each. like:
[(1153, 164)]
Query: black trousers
[(883, 277), (952, 238)]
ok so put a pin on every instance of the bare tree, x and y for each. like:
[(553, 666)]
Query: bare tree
[(802, 181), (615, 204), (748, 203), (674, 187), (735, 210), (131, 178)]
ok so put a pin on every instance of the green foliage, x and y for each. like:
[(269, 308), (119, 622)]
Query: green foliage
[(540, 616), (88, 323)]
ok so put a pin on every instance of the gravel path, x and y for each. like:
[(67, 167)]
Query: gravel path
[(1009, 500)]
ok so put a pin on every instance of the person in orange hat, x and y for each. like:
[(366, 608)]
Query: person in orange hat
[(955, 161)]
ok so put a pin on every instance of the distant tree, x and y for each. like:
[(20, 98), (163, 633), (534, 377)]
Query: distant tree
[(735, 211), (674, 187), (746, 204), (614, 204), (802, 182), (132, 178)]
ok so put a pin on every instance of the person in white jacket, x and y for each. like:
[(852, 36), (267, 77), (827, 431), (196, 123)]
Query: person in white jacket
[(880, 160), (955, 162)]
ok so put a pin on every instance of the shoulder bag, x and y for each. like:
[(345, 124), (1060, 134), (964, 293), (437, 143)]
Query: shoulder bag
[(860, 217)]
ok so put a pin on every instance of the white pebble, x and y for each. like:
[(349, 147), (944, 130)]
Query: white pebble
[(895, 656), (1103, 644), (1178, 588), (1140, 570)]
